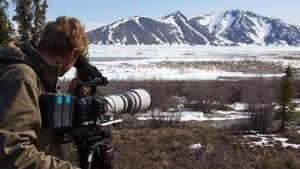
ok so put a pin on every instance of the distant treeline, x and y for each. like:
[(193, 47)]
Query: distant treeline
[(29, 16)]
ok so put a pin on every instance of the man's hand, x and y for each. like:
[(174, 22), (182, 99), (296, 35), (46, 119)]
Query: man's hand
[(72, 86)]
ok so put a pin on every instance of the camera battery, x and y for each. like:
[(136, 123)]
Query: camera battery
[(67, 109), (51, 109), (56, 109)]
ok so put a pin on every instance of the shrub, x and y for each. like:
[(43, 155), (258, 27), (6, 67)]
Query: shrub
[(261, 116)]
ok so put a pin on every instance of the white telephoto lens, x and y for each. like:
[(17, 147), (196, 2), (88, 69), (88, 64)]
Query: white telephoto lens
[(133, 101)]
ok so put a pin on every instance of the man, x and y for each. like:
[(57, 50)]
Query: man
[(27, 71)]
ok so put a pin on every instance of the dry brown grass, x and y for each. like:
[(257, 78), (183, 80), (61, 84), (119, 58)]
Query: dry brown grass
[(169, 148)]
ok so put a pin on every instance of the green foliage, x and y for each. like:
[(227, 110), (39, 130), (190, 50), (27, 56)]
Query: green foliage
[(39, 18), (237, 158), (290, 162), (287, 94), (30, 17), (266, 161), (5, 25), (23, 17)]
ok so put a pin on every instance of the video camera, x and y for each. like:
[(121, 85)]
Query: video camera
[(80, 116), (85, 107)]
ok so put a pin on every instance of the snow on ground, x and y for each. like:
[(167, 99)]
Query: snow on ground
[(185, 115), (196, 116), (141, 62), (298, 129), (265, 141), (270, 140), (238, 106), (196, 147)]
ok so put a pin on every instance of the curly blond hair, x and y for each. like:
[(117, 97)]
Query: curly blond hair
[(62, 36)]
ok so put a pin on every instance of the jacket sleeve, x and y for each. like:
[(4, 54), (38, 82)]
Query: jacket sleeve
[(20, 121)]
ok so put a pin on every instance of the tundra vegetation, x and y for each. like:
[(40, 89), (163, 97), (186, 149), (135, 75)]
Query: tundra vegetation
[(221, 144)]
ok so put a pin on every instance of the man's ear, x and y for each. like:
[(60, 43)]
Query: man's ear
[(74, 53)]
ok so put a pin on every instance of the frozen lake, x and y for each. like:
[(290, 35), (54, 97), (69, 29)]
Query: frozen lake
[(191, 62), (181, 51)]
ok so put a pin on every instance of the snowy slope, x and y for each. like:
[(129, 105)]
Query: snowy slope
[(232, 27)]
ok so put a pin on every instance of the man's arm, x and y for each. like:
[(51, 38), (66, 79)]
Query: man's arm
[(19, 126)]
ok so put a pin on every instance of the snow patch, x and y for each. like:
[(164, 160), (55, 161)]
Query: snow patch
[(268, 140), (196, 147)]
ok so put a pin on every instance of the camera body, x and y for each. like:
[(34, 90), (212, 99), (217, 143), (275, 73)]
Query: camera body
[(86, 108), (64, 111)]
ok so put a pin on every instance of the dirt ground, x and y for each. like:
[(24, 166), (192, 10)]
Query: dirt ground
[(170, 148)]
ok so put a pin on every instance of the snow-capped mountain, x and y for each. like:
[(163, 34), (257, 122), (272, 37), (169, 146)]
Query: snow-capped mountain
[(184, 33), (234, 27)]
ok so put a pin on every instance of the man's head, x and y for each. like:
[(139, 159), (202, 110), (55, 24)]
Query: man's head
[(63, 41)]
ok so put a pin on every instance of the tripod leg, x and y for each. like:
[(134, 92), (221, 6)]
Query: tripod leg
[(106, 156), (89, 160), (86, 156)]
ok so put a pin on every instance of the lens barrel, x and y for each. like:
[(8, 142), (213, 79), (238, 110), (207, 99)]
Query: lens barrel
[(132, 101)]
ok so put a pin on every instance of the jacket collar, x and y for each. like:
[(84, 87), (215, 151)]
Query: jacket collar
[(46, 71)]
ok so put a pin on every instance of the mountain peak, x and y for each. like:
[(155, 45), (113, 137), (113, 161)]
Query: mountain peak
[(176, 15), (237, 11)]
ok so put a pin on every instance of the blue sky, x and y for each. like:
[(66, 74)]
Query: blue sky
[(96, 13)]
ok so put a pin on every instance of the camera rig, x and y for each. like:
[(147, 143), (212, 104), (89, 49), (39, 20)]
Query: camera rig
[(81, 117)]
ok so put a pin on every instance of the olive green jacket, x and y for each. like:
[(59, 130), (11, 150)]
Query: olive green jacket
[(24, 75)]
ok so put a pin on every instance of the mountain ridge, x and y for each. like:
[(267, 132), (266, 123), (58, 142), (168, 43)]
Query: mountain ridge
[(226, 28)]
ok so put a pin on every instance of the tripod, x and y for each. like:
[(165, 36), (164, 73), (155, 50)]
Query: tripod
[(95, 150)]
